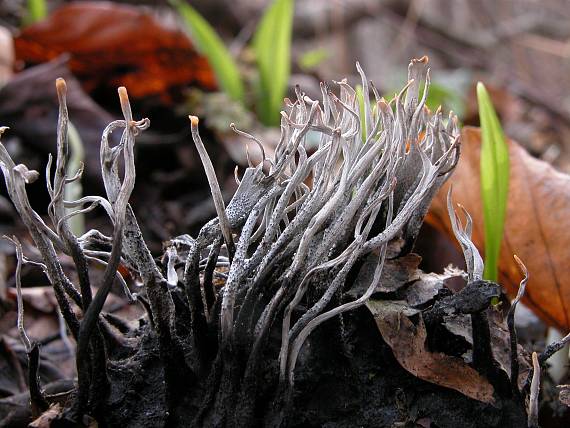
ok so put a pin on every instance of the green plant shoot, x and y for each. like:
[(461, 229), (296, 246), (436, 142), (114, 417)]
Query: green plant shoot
[(494, 181), (312, 59), (37, 11), (272, 47), (212, 47), (445, 96)]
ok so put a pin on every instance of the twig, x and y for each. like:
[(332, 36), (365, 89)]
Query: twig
[(553, 348)]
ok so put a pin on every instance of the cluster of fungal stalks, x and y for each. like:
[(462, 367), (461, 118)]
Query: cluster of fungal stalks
[(295, 229)]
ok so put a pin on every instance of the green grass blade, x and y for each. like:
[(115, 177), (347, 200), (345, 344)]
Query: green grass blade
[(446, 97), (212, 47), (272, 47), (494, 181), (310, 60), (36, 11)]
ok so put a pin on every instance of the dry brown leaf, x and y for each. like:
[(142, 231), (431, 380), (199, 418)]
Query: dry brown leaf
[(47, 417), (116, 45), (564, 395), (396, 273), (460, 325), (12, 374), (40, 298), (428, 285), (536, 226), (408, 345), (424, 423)]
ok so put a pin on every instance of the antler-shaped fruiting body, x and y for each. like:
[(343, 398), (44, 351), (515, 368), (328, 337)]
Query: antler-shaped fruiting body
[(295, 228), (296, 242), (129, 248)]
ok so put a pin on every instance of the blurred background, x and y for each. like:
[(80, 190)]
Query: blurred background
[(234, 61), (519, 48)]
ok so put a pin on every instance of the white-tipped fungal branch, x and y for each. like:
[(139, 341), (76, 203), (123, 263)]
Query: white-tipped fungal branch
[(309, 238)]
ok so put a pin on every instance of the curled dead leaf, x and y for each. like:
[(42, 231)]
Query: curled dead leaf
[(536, 226), (116, 45), (408, 343), (460, 325), (395, 274), (47, 417)]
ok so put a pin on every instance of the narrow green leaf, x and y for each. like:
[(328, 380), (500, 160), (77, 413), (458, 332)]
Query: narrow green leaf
[(272, 47), (494, 181), (37, 11), (310, 60), (212, 47), (447, 97)]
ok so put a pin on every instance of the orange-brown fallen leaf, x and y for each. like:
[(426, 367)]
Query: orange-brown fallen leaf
[(537, 225), (408, 343), (113, 45)]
